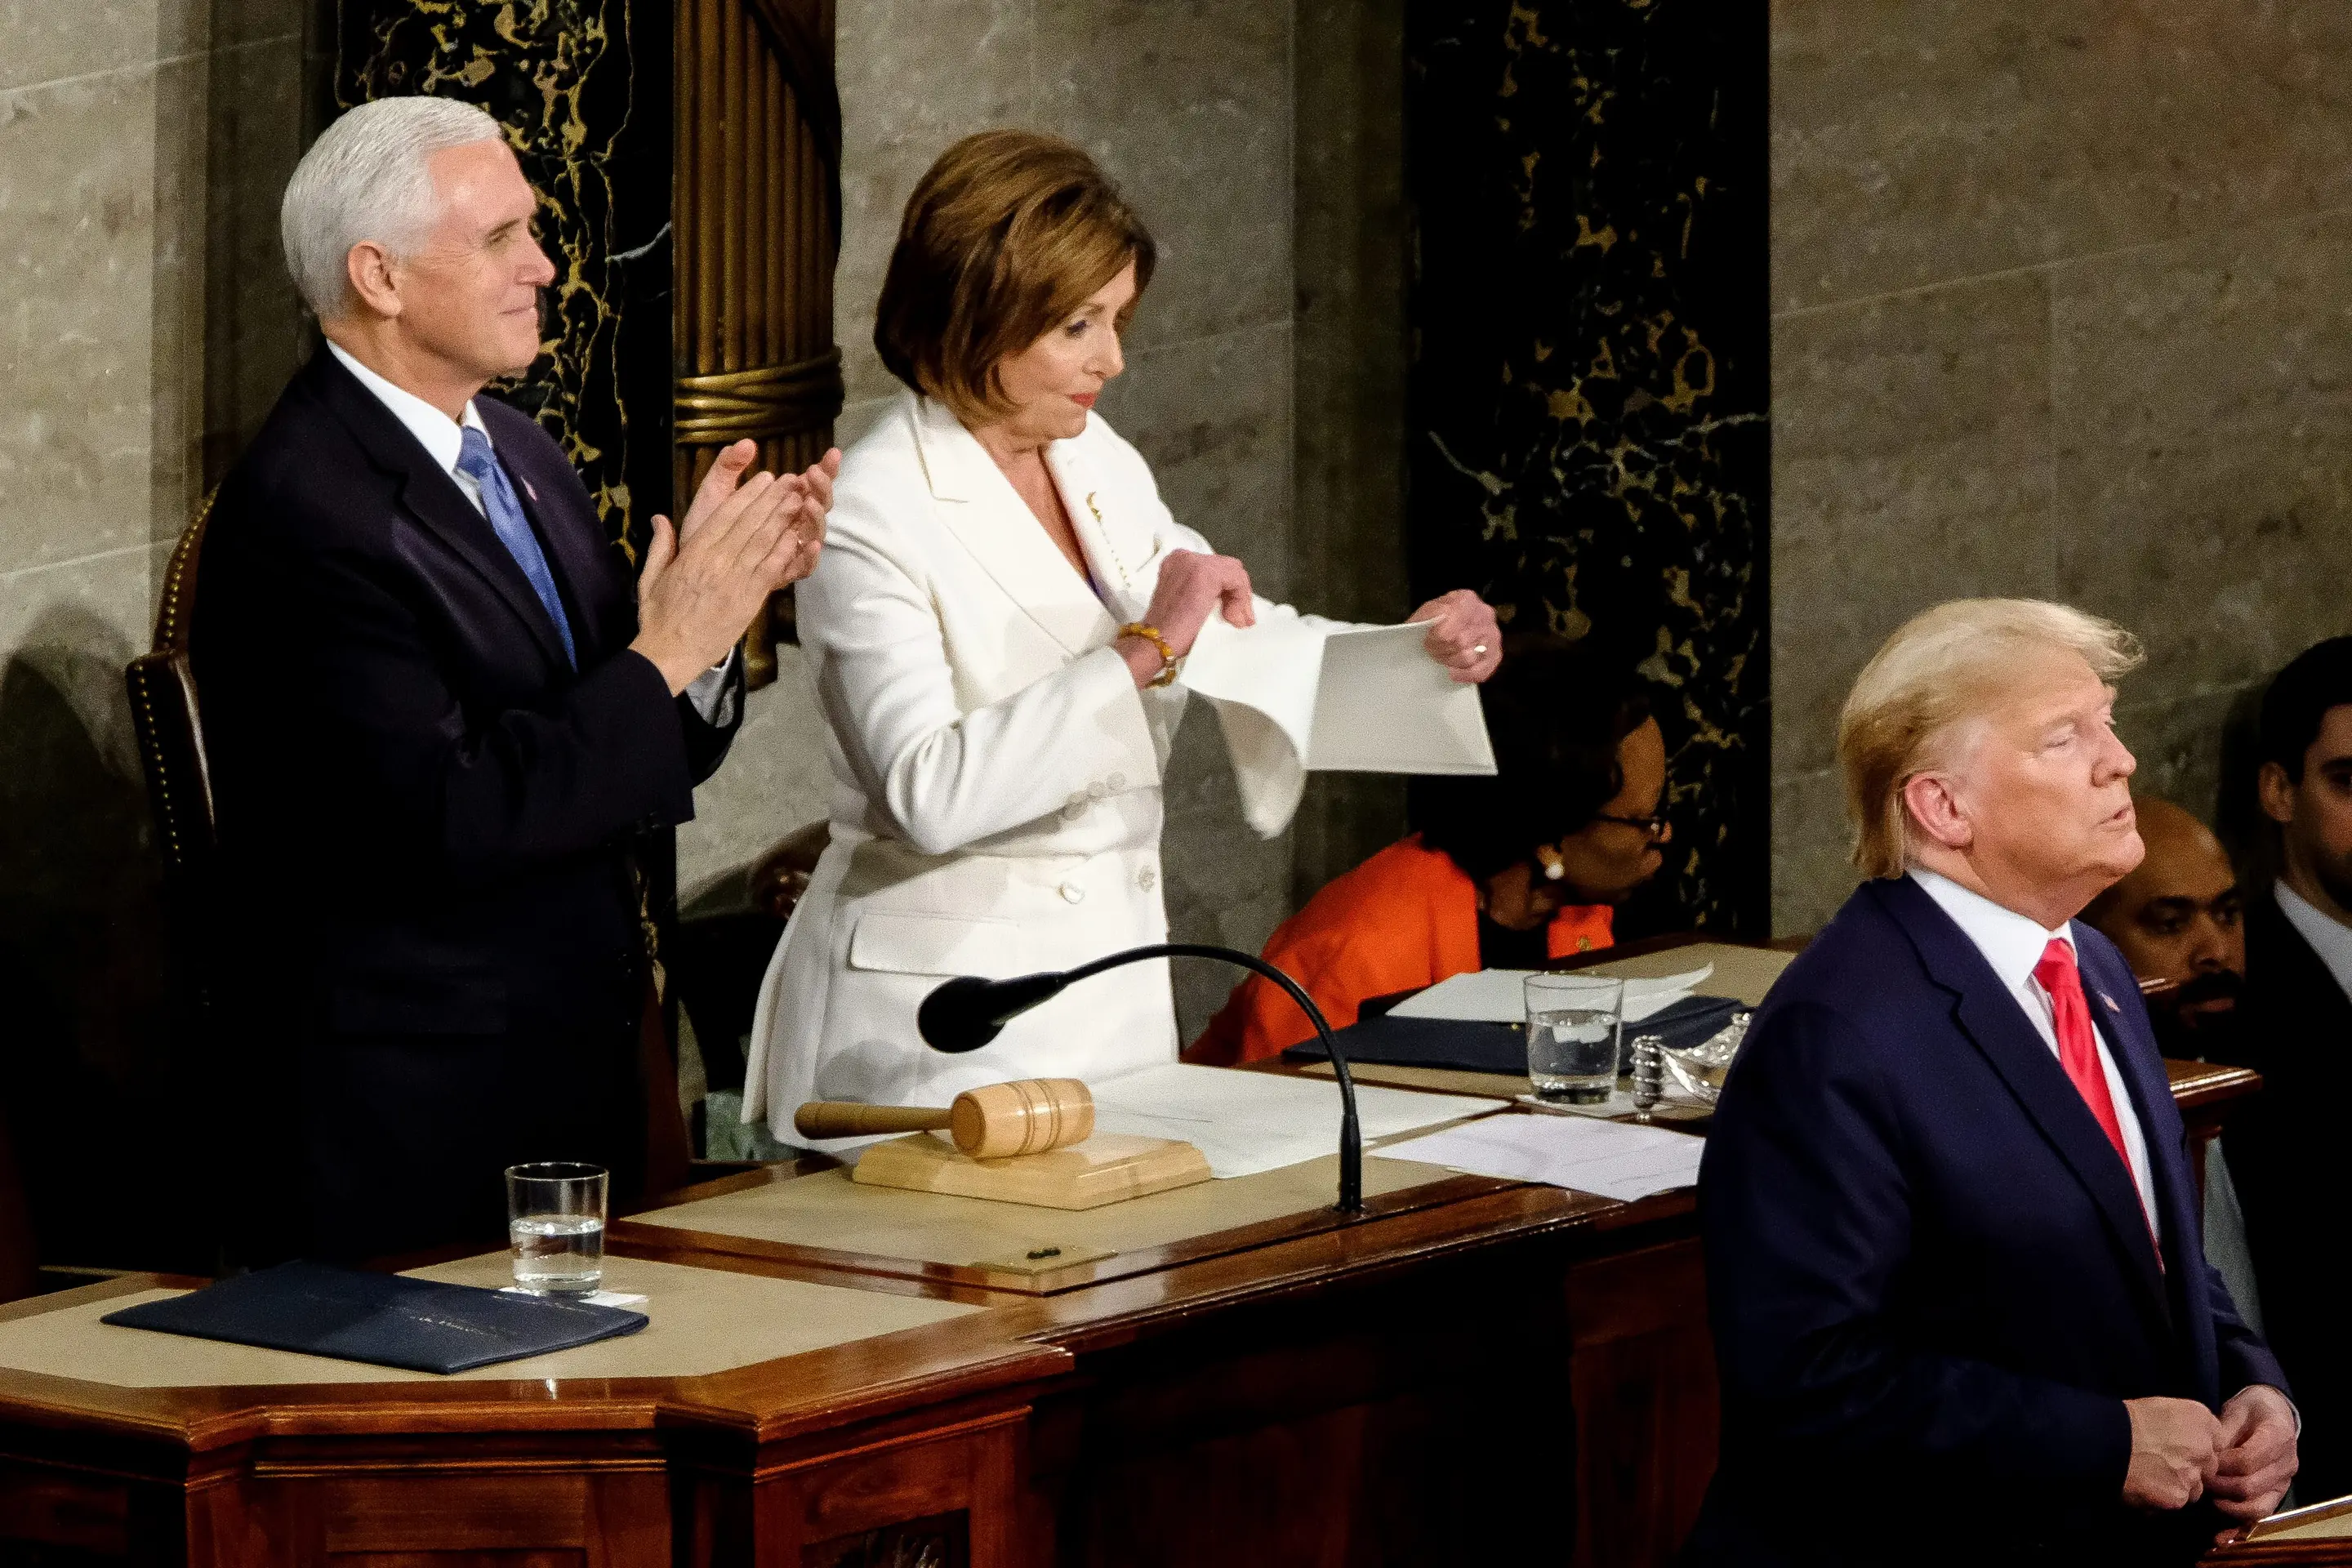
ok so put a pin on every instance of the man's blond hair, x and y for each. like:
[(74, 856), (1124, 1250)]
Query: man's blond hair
[(1940, 669)]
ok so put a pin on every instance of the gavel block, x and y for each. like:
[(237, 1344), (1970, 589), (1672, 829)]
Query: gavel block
[(1029, 1142)]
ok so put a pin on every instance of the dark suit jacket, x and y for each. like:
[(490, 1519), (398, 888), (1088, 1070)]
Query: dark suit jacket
[(427, 818), (1930, 1278), (2292, 1165)]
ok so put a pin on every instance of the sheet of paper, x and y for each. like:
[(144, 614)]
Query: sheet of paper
[(1610, 1158), (1499, 996), (1293, 695), (1383, 706), (1271, 668), (1743, 973), (1245, 1122)]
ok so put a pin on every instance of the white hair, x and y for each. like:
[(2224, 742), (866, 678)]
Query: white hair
[(366, 177)]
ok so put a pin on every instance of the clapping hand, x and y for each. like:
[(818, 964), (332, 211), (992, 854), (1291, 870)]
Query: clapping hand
[(742, 539), (1464, 634)]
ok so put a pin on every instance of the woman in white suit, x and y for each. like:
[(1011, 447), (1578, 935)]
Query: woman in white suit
[(993, 632)]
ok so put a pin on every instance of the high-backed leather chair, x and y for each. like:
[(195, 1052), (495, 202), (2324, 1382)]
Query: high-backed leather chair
[(169, 718), (170, 729)]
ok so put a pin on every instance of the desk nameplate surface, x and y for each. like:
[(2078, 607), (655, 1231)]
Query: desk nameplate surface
[(699, 1321)]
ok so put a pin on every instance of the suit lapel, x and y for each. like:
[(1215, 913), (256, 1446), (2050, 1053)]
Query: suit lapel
[(1118, 545), (433, 498), (1995, 1021), (984, 512)]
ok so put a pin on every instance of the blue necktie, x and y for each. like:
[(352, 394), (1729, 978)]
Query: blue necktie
[(481, 464)]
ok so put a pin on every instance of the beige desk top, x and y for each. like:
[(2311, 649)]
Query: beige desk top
[(701, 1321), (830, 1211)]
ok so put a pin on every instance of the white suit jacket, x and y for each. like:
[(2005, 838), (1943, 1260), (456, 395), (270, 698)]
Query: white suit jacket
[(996, 802)]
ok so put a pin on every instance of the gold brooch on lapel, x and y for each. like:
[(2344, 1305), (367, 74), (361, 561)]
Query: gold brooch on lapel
[(1092, 508)]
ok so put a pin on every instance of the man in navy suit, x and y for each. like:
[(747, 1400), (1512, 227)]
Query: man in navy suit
[(1960, 1307), (444, 717)]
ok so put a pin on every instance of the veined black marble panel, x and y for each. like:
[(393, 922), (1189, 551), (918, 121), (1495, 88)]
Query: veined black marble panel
[(582, 88), (1587, 437)]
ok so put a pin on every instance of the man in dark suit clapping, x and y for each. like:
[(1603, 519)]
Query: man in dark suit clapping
[(441, 715), (1961, 1309)]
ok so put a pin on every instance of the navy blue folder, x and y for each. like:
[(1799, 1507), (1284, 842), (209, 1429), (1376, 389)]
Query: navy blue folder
[(1469, 1046), (386, 1319)]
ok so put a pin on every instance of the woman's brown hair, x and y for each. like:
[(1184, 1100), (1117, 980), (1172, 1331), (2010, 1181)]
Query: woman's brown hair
[(1007, 234)]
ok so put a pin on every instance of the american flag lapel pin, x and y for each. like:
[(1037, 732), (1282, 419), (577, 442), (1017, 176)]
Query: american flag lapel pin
[(2110, 1001)]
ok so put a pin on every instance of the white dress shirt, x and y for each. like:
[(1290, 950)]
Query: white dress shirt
[(444, 440), (2012, 944), (2331, 941)]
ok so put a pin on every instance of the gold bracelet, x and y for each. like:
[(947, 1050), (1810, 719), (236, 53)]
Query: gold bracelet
[(1166, 654)]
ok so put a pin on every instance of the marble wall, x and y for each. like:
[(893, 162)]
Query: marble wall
[(1188, 106), (2062, 305), (143, 145)]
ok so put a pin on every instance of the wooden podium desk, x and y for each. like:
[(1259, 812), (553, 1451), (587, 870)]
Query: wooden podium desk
[(1475, 1372)]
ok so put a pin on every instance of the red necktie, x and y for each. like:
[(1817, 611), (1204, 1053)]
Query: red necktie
[(2078, 1046)]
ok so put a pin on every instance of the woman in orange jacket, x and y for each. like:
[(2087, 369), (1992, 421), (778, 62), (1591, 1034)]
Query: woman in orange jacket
[(1507, 872)]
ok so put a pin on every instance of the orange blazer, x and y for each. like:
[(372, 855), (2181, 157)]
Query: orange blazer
[(1406, 918)]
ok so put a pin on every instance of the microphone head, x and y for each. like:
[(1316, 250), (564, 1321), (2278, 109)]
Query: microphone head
[(968, 1011)]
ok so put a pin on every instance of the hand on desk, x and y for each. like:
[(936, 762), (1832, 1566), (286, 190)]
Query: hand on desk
[(1464, 634), (2254, 1455), (742, 539)]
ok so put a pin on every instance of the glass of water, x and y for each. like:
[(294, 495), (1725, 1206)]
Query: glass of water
[(555, 1223), (1573, 1021)]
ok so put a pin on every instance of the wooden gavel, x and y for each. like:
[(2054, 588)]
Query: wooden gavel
[(1027, 1116)]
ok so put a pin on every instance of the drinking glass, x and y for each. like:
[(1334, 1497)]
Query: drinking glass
[(1573, 1022), (555, 1223)]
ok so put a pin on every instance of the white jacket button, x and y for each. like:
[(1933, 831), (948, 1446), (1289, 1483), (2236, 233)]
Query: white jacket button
[(1072, 893), (1147, 879), (1097, 789), (1117, 782)]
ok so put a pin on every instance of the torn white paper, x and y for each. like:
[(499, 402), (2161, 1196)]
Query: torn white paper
[(1303, 695)]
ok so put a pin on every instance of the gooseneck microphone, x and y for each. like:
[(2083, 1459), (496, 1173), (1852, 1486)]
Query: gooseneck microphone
[(967, 1013)]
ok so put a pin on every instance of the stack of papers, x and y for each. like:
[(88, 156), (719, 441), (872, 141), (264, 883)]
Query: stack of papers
[(1245, 1122), (1499, 996), (1612, 1159)]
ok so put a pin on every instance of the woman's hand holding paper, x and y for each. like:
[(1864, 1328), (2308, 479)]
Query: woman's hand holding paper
[(1464, 634)]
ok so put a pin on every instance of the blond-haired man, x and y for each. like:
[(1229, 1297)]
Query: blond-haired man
[(1960, 1307)]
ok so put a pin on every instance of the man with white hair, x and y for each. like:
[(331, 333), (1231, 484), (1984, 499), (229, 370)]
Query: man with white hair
[(1961, 1309), (442, 717)]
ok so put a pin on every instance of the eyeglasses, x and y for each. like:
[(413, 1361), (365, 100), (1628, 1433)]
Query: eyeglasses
[(1655, 824)]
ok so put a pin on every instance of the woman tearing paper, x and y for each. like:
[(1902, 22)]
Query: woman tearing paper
[(993, 635)]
